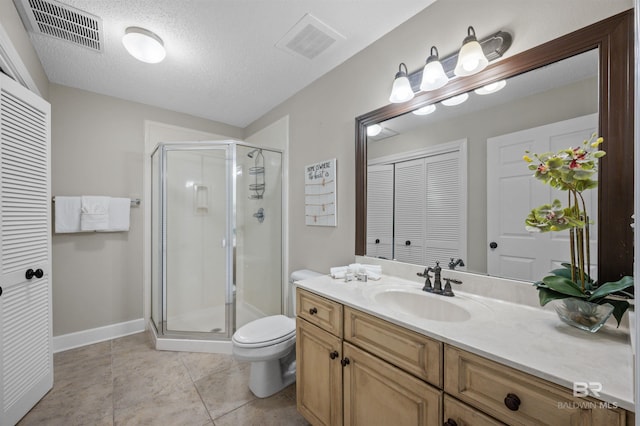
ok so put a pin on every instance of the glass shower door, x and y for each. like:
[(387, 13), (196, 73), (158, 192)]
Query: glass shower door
[(197, 240)]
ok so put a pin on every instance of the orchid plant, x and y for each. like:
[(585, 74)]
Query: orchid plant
[(572, 170)]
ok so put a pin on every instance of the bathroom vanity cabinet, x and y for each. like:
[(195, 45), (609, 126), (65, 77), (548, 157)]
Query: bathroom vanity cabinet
[(355, 368)]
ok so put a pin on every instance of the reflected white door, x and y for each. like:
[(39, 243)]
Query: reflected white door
[(512, 192), (380, 211)]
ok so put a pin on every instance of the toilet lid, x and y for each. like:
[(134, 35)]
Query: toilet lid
[(272, 329)]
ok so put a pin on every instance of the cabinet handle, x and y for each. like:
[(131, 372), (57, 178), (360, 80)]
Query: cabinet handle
[(450, 422), (345, 362), (512, 401), (334, 355), (313, 311)]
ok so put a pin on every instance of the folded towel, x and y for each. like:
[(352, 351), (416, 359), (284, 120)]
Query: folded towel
[(357, 267), (67, 214), (94, 213), (119, 214), (337, 269)]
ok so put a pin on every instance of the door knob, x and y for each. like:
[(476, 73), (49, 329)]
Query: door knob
[(407, 243), (493, 244), (377, 240), (38, 273)]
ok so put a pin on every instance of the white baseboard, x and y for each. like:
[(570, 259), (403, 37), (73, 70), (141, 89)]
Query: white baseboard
[(87, 337)]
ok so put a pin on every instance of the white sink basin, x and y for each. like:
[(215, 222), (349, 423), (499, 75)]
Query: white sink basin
[(413, 302)]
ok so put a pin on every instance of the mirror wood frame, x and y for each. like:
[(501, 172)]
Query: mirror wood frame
[(614, 38)]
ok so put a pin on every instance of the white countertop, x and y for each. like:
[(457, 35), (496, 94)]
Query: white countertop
[(529, 339)]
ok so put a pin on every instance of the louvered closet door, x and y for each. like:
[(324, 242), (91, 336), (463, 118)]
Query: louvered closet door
[(446, 209), (410, 210), (26, 356), (380, 211)]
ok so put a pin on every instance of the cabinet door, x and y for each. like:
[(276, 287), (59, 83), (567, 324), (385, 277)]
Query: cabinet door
[(26, 355), (410, 211), (377, 393), (380, 211), (318, 374), (457, 413)]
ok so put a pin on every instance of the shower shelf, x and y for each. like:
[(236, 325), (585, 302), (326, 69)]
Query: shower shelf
[(257, 171)]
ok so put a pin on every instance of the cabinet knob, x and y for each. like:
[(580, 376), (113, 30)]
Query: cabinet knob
[(313, 311), (38, 273), (512, 401), (334, 355), (493, 244), (345, 362), (450, 422), (407, 243)]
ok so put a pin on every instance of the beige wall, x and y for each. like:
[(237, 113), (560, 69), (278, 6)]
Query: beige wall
[(98, 148), (321, 116)]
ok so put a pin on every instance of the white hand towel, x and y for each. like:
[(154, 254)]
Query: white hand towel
[(67, 214), (94, 213), (119, 214), (357, 267), (337, 269)]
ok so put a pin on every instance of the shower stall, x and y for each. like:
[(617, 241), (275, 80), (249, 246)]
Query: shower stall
[(216, 223)]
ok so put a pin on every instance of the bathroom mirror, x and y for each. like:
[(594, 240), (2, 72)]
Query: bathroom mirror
[(607, 45)]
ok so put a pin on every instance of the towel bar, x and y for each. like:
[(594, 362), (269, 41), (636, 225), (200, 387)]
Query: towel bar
[(135, 202)]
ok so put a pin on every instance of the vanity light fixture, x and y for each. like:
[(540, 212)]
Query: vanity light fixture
[(374, 130), (491, 87), (144, 45), (433, 75), (455, 100), (471, 58), (401, 91), (425, 110)]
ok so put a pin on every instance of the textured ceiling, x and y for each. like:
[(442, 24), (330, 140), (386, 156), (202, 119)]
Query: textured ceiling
[(222, 62)]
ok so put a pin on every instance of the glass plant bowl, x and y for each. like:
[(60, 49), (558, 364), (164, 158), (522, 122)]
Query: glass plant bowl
[(582, 314)]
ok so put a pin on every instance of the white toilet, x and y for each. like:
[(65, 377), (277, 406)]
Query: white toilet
[(269, 343)]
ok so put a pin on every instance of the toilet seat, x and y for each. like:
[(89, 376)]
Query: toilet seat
[(265, 331)]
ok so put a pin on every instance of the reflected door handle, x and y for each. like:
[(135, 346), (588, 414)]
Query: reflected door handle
[(407, 243), (377, 240), (38, 273), (493, 245)]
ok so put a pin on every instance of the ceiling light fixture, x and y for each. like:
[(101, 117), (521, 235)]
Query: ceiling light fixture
[(401, 91), (433, 75), (425, 110), (471, 58), (374, 130), (491, 87), (456, 100), (144, 45)]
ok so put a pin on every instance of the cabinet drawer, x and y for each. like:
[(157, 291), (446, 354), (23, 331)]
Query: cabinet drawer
[(490, 387), (457, 413), (319, 311), (412, 352)]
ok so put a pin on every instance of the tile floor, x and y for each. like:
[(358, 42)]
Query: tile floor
[(127, 382)]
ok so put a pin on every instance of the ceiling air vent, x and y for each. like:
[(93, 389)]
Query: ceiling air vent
[(309, 37), (63, 22)]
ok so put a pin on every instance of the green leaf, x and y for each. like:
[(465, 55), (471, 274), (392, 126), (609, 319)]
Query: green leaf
[(612, 287), (546, 295), (563, 285), (619, 307)]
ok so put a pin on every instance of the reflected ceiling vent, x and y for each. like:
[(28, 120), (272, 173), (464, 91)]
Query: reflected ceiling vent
[(62, 22), (309, 37)]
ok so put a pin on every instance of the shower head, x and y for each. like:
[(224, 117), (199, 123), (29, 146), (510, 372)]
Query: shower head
[(250, 154)]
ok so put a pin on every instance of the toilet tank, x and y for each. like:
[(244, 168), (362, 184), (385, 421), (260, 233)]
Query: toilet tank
[(299, 275)]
